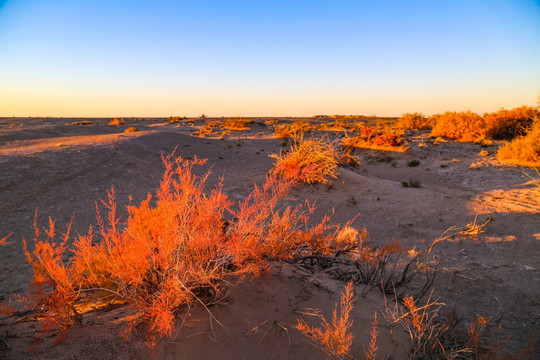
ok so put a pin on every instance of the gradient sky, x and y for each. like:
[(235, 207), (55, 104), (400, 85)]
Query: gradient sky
[(266, 58)]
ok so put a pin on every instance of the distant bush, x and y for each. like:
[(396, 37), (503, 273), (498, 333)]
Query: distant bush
[(131, 129), (175, 119), (377, 137), (116, 122), (291, 130), (205, 130), (415, 121), (238, 124), (308, 161), (508, 124), (460, 126), (523, 150)]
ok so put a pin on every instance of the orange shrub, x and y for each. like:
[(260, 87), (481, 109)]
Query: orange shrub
[(176, 250), (308, 161), (236, 124), (461, 126), (523, 150), (507, 124), (291, 130), (415, 121), (131, 129), (115, 122), (377, 138), (204, 130)]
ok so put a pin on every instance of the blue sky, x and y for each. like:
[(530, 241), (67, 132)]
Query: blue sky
[(255, 58)]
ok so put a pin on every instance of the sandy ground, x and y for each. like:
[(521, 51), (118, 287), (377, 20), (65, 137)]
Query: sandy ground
[(62, 169)]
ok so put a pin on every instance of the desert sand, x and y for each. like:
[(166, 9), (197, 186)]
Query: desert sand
[(62, 169)]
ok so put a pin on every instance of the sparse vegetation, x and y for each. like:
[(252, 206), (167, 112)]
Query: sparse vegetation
[(175, 119), (204, 130), (291, 130), (185, 244)]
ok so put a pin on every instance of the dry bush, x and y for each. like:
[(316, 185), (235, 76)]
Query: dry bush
[(308, 161), (237, 124), (346, 157), (291, 130), (173, 251), (339, 124), (385, 137), (431, 335), (175, 119), (131, 129), (271, 121), (460, 126), (204, 130), (445, 336), (508, 124), (524, 150), (116, 122), (415, 121), (395, 270), (334, 337)]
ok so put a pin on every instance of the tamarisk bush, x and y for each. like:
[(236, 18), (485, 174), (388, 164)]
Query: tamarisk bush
[(172, 251)]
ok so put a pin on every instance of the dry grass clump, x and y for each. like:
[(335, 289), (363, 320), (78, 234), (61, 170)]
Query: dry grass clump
[(347, 158), (207, 129), (116, 122), (508, 124), (431, 335), (173, 251), (84, 122), (523, 150), (175, 119), (415, 121), (385, 137), (291, 130), (309, 161), (334, 337), (460, 126), (238, 124), (131, 129)]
